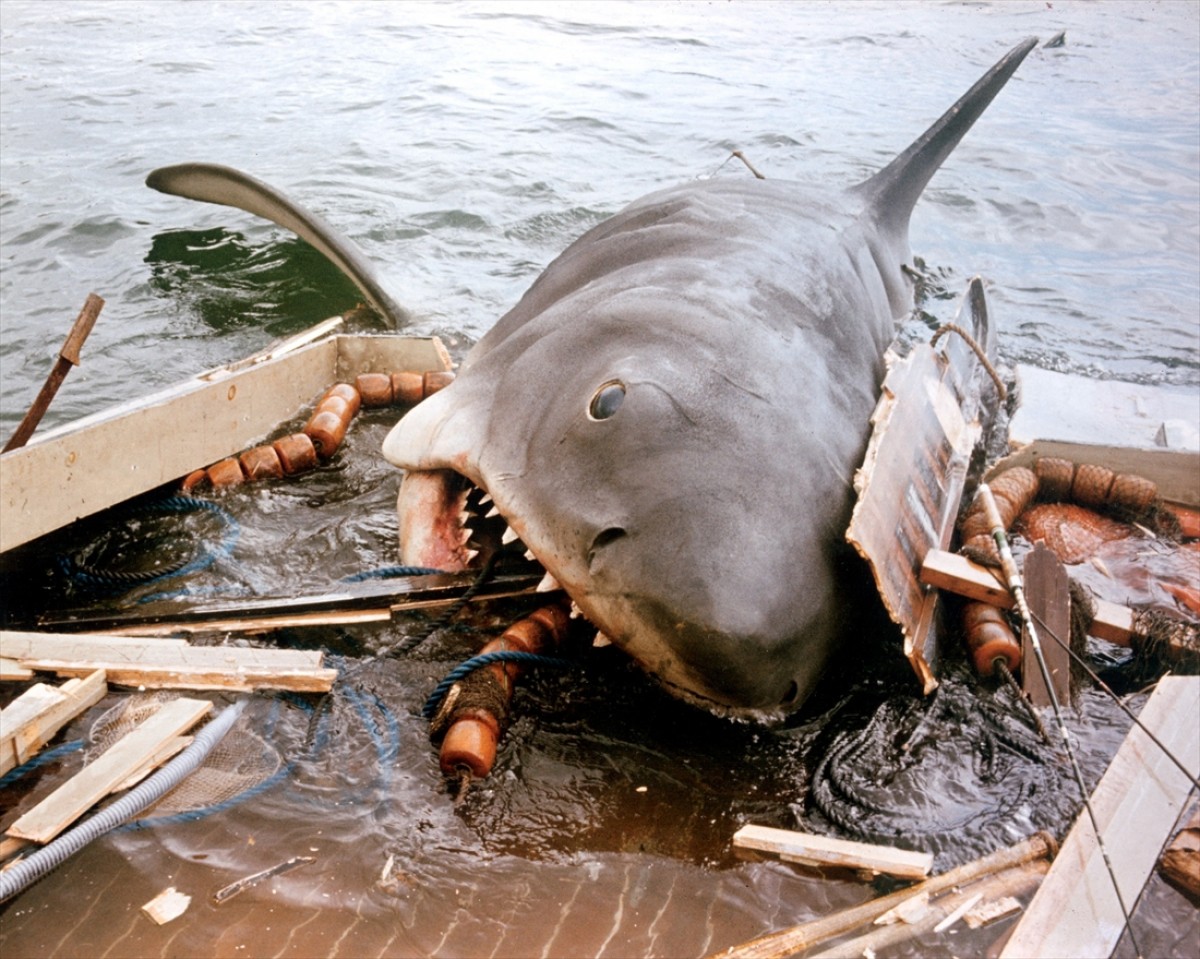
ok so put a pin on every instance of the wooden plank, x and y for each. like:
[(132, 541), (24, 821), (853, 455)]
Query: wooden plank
[(170, 663), (1076, 911), (168, 750), (813, 850), (957, 574), (78, 794), (33, 719), (12, 671), (120, 650), (925, 427), (229, 678), (1048, 593)]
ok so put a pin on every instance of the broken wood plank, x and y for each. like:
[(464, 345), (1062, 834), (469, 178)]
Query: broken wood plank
[(1048, 593), (813, 850), (167, 905), (96, 780), (12, 671), (925, 427), (170, 663), (1076, 911), (957, 574), (372, 601), (1180, 864), (34, 717), (943, 912), (788, 942)]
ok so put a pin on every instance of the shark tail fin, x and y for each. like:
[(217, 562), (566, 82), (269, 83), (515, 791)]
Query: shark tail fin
[(213, 183), (894, 190)]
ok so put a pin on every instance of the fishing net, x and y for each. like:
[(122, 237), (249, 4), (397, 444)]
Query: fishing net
[(240, 763)]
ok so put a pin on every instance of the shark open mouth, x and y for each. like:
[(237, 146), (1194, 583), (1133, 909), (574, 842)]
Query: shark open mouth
[(447, 522)]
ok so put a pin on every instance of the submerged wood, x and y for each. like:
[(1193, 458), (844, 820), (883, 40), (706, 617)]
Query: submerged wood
[(788, 942), (116, 765), (373, 601), (813, 850), (33, 718), (943, 912), (1076, 911), (170, 663), (1150, 431)]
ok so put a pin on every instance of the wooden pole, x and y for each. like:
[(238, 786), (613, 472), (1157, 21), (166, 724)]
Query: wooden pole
[(68, 356), (788, 942)]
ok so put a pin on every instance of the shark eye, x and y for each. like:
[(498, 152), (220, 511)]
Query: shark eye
[(606, 400)]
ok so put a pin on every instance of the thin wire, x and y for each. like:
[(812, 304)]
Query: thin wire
[(1016, 587), (1117, 699)]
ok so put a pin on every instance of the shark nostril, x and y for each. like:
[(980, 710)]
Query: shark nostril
[(606, 536)]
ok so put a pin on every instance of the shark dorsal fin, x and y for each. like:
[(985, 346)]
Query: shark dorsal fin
[(893, 191)]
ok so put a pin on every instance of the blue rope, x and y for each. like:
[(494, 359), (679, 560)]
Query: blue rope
[(46, 756), (486, 659), (391, 572), (202, 560)]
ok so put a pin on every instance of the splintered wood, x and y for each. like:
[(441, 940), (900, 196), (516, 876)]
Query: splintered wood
[(169, 663), (32, 719), (926, 425)]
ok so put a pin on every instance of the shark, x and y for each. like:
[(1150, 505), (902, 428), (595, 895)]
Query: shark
[(669, 420)]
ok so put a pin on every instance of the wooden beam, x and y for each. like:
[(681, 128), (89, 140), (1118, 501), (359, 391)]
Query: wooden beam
[(957, 574), (1076, 911), (96, 780), (1048, 592), (34, 717), (813, 850), (170, 663), (12, 671)]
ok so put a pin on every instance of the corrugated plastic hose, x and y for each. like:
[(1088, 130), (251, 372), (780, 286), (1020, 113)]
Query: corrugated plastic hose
[(50, 856)]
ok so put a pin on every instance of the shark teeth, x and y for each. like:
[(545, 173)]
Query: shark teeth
[(492, 513), (509, 536), (548, 584)]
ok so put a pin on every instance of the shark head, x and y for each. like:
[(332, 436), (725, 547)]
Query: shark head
[(617, 441)]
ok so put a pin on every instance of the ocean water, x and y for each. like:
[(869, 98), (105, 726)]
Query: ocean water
[(462, 146)]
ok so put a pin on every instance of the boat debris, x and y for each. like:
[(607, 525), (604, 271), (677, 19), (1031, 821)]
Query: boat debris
[(167, 905), (225, 893), (812, 850)]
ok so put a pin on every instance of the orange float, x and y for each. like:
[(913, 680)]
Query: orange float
[(375, 389), (472, 730), (296, 453)]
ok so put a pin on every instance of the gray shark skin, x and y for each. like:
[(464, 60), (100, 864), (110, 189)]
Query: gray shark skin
[(671, 417)]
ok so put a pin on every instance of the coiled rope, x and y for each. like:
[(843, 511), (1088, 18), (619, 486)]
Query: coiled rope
[(96, 577)]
